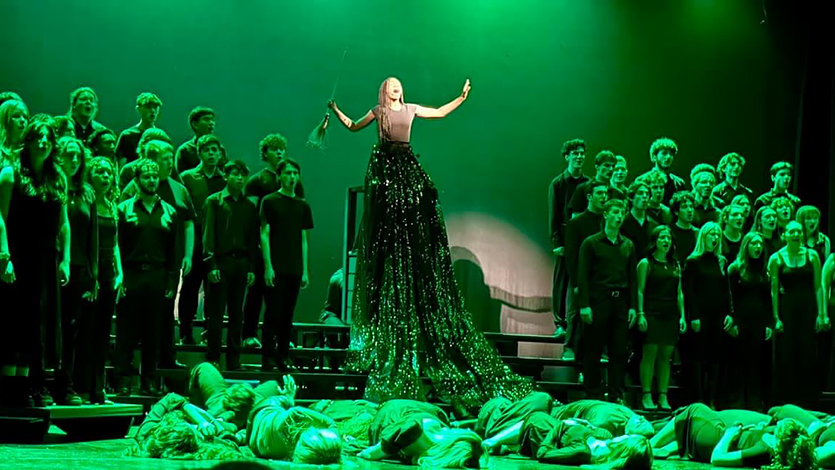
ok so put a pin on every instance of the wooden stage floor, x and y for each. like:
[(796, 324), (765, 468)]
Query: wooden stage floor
[(110, 454)]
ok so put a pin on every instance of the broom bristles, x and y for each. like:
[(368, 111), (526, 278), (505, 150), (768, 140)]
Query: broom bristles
[(316, 139)]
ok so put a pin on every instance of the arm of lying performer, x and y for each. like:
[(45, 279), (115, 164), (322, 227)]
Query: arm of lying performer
[(349, 123), (207, 424), (721, 456), (374, 452)]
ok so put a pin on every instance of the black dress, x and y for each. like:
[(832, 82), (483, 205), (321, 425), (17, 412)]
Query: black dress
[(409, 316), (31, 297), (661, 302), (795, 364), (708, 299), (751, 298)]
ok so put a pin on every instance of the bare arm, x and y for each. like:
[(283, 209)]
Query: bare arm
[(349, 123), (826, 281), (642, 282), (6, 184), (443, 111), (265, 245), (819, 294), (304, 253), (773, 267)]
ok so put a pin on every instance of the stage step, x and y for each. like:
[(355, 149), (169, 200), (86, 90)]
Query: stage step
[(86, 422)]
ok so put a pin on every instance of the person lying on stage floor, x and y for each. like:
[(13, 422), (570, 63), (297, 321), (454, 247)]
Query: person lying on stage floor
[(177, 429), (281, 432), (419, 433), (575, 442), (698, 433), (500, 414), (353, 420), (208, 389), (617, 419)]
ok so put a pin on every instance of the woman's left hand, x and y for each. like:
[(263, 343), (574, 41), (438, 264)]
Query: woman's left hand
[(822, 324), (642, 323), (682, 325), (466, 91), (64, 272)]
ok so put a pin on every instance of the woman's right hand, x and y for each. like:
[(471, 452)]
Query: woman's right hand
[(7, 275), (332, 104), (778, 326)]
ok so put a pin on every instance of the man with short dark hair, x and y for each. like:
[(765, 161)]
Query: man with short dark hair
[(149, 231), (703, 179), (230, 250), (608, 298), (560, 192), (148, 107), (201, 182), (604, 165), (285, 221), (781, 177), (202, 122), (683, 207), (577, 230), (273, 149), (637, 226)]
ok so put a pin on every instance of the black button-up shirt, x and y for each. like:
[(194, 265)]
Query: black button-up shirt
[(767, 198), (230, 228), (150, 238), (639, 234), (186, 157), (266, 182), (726, 193), (684, 241), (606, 267), (576, 231), (200, 186), (707, 211), (560, 192), (82, 132)]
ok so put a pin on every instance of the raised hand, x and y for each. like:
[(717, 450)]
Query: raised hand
[(466, 91)]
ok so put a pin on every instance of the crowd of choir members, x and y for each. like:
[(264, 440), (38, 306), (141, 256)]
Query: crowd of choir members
[(93, 224), (722, 276)]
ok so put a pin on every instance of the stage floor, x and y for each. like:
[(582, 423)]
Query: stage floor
[(110, 454)]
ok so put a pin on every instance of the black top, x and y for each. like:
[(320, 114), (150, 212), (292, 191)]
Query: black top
[(674, 184), (730, 248), (578, 201), (126, 145), (639, 234), (149, 238), (661, 288), (661, 214), (175, 194), (84, 239), (287, 217), (726, 193), (607, 266), (186, 157), (706, 290), (768, 197), (560, 192), (230, 228), (751, 299), (685, 241), (83, 133), (577, 230), (615, 193), (707, 212), (266, 182), (200, 186), (107, 244)]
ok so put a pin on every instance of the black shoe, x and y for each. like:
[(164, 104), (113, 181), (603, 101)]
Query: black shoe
[(148, 389), (42, 398), (69, 398), (173, 365), (233, 365)]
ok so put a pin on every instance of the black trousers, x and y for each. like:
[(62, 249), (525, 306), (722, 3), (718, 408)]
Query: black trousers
[(691, 366), (93, 344), (278, 319), (610, 328), (559, 288), (226, 296), (190, 290), (254, 302), (73, 308), (138, 318)]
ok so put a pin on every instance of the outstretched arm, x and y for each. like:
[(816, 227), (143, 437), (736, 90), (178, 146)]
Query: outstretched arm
[(437, 113), (350, 124)]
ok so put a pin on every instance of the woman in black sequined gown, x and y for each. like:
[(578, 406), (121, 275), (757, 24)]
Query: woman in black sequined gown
[(409, 317)]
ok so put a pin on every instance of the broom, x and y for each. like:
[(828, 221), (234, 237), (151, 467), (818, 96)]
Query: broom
[(316, 139)]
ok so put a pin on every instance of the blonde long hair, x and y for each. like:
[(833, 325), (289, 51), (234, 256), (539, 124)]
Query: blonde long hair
[(701, 244), (384, 125), (459, 448)]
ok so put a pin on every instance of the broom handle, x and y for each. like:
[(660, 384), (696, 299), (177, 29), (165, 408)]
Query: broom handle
[(339, 73)]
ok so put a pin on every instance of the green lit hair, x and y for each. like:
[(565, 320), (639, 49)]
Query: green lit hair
[(459, 448)]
